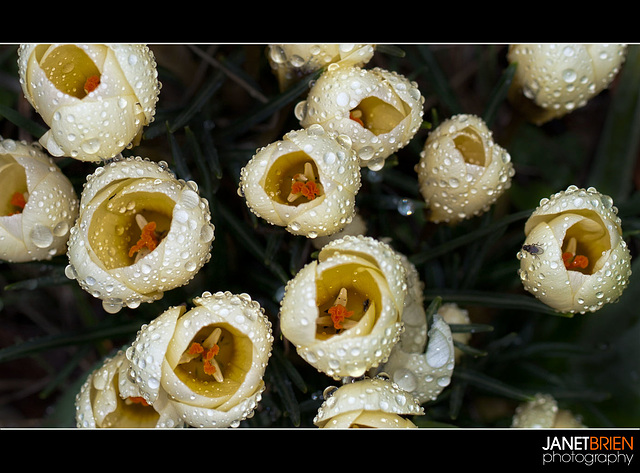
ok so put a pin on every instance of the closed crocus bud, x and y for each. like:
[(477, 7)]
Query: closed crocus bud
[(543, 413), (307, 182), (379, 110), (552, 80), (454, 315), (343, 311), (38, 204), (210, 360), (462, 171), (110, 399), (424, 373), (290, 62), (574, 258), (367, 403), (140, 232), (96, 98)]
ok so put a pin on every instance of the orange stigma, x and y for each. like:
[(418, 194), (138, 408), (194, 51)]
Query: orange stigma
[(138, 400), (147, 239), (572, 261), (338, 313), (91, 84), (18, 200)]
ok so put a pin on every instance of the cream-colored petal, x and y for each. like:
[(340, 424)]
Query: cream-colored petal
[(148, 350), (424, 374)]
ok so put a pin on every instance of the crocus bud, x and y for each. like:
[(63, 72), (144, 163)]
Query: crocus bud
[(343, 312), (210, 360), (290, 62), (38, 204), (462, 171), (306, 182), (574, 258), (110, 399), (379, 110), (552, 80), (543, 413), (367, 403), (96, 98), (140, 232)]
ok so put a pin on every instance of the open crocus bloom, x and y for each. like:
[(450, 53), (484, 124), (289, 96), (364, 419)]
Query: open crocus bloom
[(374, 403), (140, 232), (462, 171), (343, 312), (109, 399), (379, 110), (38, 204), (210, 360), (552, 80), (574, 258), (290, 62), (306, 182), (96, 98), (543, 413)]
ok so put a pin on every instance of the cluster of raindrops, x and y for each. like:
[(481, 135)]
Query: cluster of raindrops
[(559, 78), (39, 230)]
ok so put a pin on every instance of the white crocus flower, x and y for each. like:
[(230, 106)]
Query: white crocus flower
[(96, 98), (290, 62), (552, 80), (210, 360), (343, 312), (462, 171), (574, 258), (38, 204), (110, 399), (367, 403), (543, 413), (422, 362), (140, 232), (379, 110), (307, 182)]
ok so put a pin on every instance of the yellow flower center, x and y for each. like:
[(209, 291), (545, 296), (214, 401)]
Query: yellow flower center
[(128, 224), (471, 146), (204, 353), (69, 68), (13, 182), (346, 296), (584, 244), (216, 361), (293, 179), (378, 116)]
